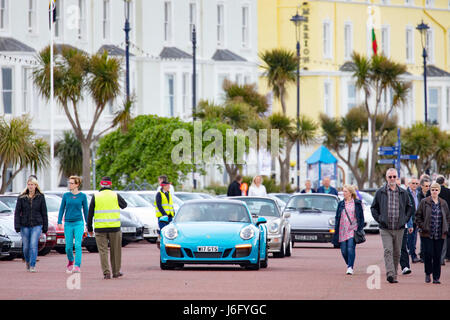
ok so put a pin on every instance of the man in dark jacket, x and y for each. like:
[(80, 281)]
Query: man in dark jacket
[(326, 187), (413, 194), (425, 184), (392, 209), (444, 194), (234, 189)]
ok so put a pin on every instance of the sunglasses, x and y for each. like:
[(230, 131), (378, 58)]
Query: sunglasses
[(414, 183), (434, 189), (392, 177)]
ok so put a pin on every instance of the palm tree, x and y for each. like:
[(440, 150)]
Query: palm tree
[(75, 72), (70, 155), (280, 67), (123, 118), (19, 148)]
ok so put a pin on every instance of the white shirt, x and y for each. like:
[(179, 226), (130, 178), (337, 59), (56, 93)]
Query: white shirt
[(257, 191)]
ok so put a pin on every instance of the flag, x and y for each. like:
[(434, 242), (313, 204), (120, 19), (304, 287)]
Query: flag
[(51, 4), (374, 42)]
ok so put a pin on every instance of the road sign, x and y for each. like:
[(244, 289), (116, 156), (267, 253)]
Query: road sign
[(409, 157), (387, 152), (387, 161), (392, 149)]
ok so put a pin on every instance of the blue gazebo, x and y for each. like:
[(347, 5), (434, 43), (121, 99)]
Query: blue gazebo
[(320, 164)]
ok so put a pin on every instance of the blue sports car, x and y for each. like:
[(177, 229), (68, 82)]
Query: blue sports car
[(214, 231)]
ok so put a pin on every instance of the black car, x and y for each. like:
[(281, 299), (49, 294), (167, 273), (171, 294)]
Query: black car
[(5, 246)]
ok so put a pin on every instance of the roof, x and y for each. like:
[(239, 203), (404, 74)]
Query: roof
[(58, 47), (433, 71), (11, 44), (322, 155), (112, 50), (174, 53), (226, 55), (348, 67)]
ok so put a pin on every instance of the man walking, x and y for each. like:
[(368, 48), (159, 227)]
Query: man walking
[(425, 183), (392, 209), (444, 194), (234, 189), (104, 209), (412, 237), (326, 187)]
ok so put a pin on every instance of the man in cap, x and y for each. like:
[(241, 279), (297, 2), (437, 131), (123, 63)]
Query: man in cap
[(164, 203)]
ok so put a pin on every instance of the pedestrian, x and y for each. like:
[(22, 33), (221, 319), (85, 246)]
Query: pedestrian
[(392, 209), (164, 178), (432, 219), (234, 189), (257, 188), (30, 219), (326, 187), (404, 255), (444, 194), (413, 193), (308, 188), (349, 218), (104, 212), (424, 188), (74, 210), (164, 204)]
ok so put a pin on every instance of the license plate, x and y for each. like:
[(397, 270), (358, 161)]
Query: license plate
[(208, 249), (306, 237), (61, 241)]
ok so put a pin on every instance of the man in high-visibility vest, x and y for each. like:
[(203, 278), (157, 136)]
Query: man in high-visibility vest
[(164, 204), (104, 210)]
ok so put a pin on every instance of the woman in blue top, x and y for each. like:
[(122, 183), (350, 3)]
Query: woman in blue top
[(72, 204)]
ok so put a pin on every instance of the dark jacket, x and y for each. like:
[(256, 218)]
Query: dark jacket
[(359, 213), (411, 198), (423, 217), (234, 189), (332, 190), (379, 207), (31, 212), (312, 190), (122, 205)]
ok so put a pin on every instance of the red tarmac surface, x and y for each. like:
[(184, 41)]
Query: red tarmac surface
[(314, 271)]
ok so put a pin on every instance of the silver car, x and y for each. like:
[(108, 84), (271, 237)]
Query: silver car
[(312, 217), (278, 226)]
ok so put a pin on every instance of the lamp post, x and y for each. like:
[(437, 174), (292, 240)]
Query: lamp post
[(297, 20), (194, 95), (127, 30), (423, 28)]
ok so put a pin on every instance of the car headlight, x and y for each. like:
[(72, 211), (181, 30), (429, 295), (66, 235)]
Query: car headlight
[(170, 232), (332, 221), (247, 233), (274, 226)]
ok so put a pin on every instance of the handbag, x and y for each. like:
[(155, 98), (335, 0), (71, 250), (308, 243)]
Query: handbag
[(359, 235)]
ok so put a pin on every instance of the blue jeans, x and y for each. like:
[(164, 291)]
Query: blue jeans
[(30, 242), (71, 230), (348, 251)]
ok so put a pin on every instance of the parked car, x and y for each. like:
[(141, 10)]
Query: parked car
[(312, 217), (5, 244), (370, 225), (278, 226), (214, 232), (185, 196), (150, 195), (282, 196)]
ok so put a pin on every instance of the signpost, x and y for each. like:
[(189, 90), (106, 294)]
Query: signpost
[(395, 151)]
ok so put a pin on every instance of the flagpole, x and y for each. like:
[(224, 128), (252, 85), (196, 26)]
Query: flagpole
[(52, 103)]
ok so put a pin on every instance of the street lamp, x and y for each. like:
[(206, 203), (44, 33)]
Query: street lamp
[(297, 20), (194, 95), (423, 29), (127, 46)]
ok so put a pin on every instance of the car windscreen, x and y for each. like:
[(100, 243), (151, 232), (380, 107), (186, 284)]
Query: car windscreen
[(53, 203), (189, 196), (9, 202), (261, 207), (219, 212), (283, 197), (312, 203), (134, 201), (4, 208)]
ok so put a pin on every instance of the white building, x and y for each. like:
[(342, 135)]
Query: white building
[(161, 61)]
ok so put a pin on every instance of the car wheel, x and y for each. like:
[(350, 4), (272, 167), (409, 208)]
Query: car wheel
[(256, 265), (289, 249), (264, 263), (125, 243), (282, 252), (45, 251), (92, 249), (151, 240), (61, 250)]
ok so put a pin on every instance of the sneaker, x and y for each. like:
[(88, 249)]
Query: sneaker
[(406, 270), (33, 269), (349, 270), (76, 269), (69, 267)]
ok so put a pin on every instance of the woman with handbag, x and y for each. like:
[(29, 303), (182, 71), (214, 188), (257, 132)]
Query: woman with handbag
[(349, 225)]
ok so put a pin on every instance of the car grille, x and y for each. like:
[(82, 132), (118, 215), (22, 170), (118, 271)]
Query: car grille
[(213, 255), (6, 247)]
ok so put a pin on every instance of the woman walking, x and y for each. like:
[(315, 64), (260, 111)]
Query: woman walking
[(72, 205), (257, 188), (432, 219), (349, 218), (30, 219)]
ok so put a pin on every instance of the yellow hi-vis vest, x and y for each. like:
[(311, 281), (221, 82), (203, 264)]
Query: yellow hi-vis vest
[(166, 204), (107, 210)]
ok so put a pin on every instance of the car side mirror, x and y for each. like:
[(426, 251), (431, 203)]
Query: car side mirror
[(287, 215), (164, 219), (261, 220)]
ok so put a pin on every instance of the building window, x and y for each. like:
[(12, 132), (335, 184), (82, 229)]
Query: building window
[(348, 41), (4, 6), (384, 1), (58, 18), (429, 3), (409, 45), (220, 25), (351, 96), (170, 94), (247, 79), (82, 20), (409, 2), (167, 21), (430, 45), (220, 91), (326, 30), (433, 105), (245, 27), (192, 18), (385, 41), (26, 90), (106, 19), (31, 16), (327, 98), (7, 89), (186, 93)]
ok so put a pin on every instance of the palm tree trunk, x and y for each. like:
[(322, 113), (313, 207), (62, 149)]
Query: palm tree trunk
[(85, 145)]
